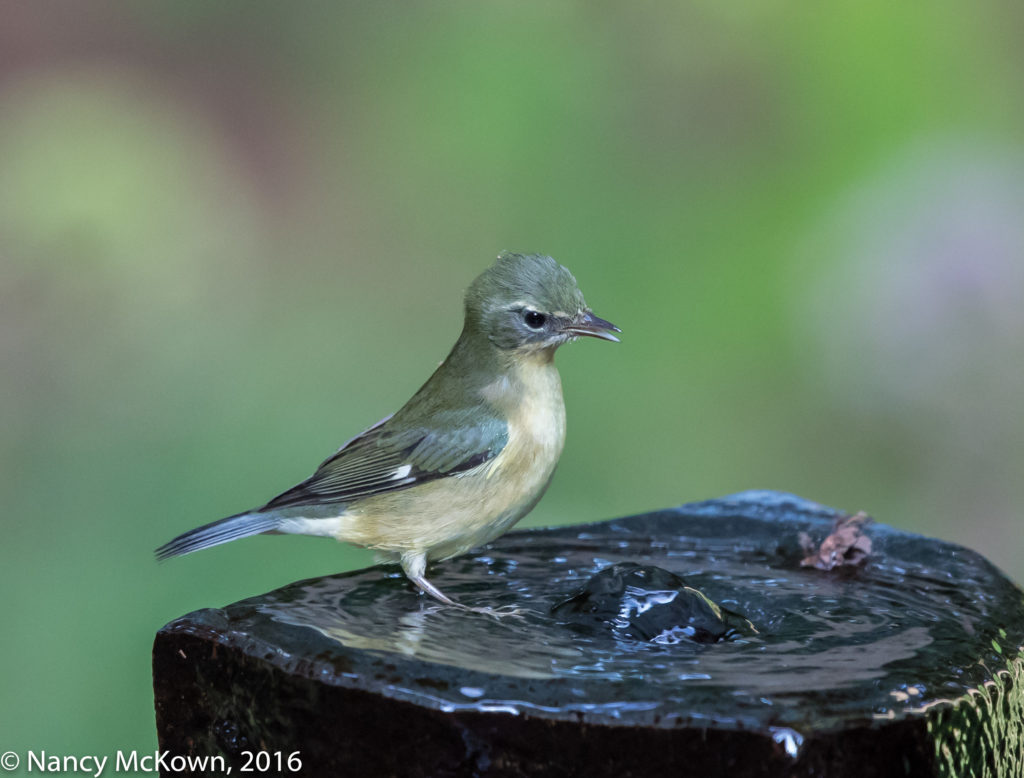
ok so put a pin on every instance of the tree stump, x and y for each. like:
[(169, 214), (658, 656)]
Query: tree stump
[(903, 658)]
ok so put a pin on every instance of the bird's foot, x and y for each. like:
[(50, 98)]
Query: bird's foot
[(505, 611), (413, 569)]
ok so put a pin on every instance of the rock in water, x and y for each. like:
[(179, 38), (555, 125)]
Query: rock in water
[(650, 603), (908, 664)]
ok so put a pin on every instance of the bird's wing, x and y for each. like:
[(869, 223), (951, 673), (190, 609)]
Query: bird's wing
[(385, 459)]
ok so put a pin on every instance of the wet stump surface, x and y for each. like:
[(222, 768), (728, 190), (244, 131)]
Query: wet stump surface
[(704, 648)]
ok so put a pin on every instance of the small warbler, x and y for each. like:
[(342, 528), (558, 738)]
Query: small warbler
[(467, 457)]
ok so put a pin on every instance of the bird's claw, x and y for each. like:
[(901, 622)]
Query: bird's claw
[(499, 613)]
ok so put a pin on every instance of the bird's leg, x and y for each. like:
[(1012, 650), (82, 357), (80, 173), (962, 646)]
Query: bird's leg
[(415, 565)]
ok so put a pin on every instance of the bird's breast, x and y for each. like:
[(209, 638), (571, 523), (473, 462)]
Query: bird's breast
[(533, 406)]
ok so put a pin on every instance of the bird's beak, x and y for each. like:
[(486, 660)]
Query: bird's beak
[(589, 324)]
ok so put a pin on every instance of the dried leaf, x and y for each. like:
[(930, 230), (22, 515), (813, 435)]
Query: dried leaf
[(847, 546)]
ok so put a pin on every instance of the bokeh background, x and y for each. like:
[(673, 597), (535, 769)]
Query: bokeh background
[(233, 234)]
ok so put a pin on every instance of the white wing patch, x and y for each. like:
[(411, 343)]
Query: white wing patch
[(401, 472)]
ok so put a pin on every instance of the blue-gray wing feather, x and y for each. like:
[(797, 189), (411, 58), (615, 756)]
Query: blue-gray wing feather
[(385, 459)]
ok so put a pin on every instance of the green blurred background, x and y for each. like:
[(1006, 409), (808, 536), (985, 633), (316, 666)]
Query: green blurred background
[(233, 234)]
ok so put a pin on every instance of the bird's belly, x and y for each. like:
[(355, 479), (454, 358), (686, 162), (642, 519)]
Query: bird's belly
[(446, 517)]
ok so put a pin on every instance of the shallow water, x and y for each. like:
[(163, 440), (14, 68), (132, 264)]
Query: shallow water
[(927, 628)]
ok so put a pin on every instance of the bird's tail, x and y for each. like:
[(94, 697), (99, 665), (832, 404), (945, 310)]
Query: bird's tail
[(241, 525)]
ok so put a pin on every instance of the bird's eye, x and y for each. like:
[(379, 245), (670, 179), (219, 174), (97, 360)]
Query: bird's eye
[(534, 320)]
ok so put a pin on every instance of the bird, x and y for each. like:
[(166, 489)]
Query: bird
[(470, 453)]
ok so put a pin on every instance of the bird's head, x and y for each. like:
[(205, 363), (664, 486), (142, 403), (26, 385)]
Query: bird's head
[(528, 303)]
